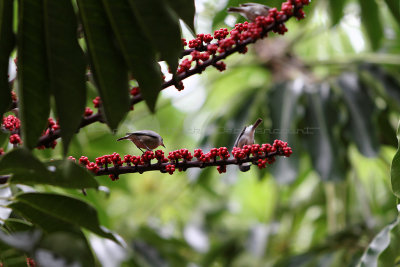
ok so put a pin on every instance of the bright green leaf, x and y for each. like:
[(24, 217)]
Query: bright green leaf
[(67, 209), (395, 169), (109, 70), (336, 9), (6, 46), (34, 93), (372, 22), (162, 28), (138, 55), (185, 9), (377, 246), (66, 66), (394, 7)]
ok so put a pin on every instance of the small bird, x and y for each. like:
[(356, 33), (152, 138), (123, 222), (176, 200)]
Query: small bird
[(145, 139), (246, 137), (251, 10)]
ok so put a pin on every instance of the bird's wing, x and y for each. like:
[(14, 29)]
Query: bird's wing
[(146, 132), (252, 4), (238, 138)]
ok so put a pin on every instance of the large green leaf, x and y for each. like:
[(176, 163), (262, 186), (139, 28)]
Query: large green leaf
[(282, 101), (395, 169), (185, 10), (66, 66), (162, 28), (137, 53), (26, 169), (64, 248), (67, 209), (33, 86), (336, 10), (319, 117), (109, 70), (372, 22), (6, 46), (377, 246), (394, 7), (43, 220), (361, 111)]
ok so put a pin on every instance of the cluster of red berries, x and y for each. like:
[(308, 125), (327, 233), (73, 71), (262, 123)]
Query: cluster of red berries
[(227, 40), (97, 102), (135, 91), (11, 123)]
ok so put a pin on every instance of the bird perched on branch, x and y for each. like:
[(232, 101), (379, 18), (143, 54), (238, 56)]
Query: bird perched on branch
[(145, 139), (246, 137), (250, 10)]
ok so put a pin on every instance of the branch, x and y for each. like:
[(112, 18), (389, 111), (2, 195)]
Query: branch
[(273, 22)]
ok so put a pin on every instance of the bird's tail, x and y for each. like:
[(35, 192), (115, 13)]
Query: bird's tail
[(235, 9), (258, 121)]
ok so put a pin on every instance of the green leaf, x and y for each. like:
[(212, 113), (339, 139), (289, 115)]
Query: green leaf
[(6, 46), (361, 111), (43, 220), (394, 7), (372, 22), (33, 86), (17, 225), (137, 53), (186, 10), (162, 28), (282, 101), (395, 169), (336, 10), (65, 248), (67, 209), (26, 169), (319, 113), (380, 242), (109, 70), (67, 66)]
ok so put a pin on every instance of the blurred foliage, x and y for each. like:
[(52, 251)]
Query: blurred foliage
[(330, 87)]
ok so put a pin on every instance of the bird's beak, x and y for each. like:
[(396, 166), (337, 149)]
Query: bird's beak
[(162, 144)]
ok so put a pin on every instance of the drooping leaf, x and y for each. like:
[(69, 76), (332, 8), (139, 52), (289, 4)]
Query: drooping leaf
[(33, 89), (319, 117), (394, 7), (17, 225), (377, 246), (6, 46), (26, 169), (161, 27), (109, 70), (361, 114), (395, 169), (282, 101), (185, 10), (67, 209), (336, 10), (136, 51), (66, 66), (372, 22), (62, 248)]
